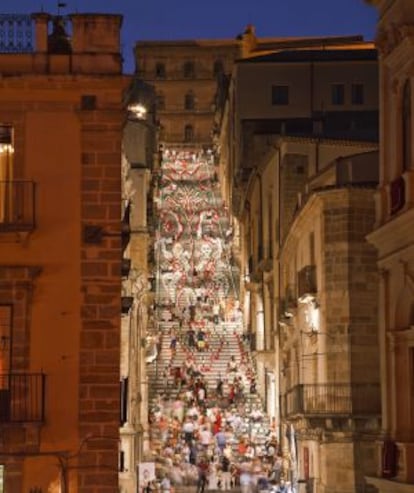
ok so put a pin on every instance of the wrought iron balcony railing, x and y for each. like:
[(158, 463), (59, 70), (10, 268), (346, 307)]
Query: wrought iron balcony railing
[(22, 397), (16, 33), (339, 399), (17, 206)]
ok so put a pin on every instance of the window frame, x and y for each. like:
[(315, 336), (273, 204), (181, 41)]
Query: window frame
[(280, 95), (218, 67), (189, 69), (160, 70), (189, 101), (188, 132), (357, 94), (338, 94)]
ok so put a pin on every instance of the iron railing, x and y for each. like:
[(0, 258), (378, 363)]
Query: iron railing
[(17, 206), (16, 33), (22, 397), (332, 399)]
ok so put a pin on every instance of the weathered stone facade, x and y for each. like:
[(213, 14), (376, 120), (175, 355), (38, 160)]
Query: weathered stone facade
[(329, 346), (393, 236)]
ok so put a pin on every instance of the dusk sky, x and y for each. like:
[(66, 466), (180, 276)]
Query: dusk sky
[(189, 19)]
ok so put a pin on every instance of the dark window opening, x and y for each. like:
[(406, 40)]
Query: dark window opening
[(124, 400), (218, 68), (280, 95), (88, 102), (189, 101), (338, 94), (188, 133), (357, 94), (160, 72), (188, 70)]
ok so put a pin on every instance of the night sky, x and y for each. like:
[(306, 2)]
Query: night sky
[(188, 19)]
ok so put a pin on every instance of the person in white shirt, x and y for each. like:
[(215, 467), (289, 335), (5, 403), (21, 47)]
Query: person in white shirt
[(205, 437), (165, 485)]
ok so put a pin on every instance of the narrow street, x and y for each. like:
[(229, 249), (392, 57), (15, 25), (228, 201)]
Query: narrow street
[(207, 421)]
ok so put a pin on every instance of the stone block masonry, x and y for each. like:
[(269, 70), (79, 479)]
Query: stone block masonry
[(101, 286)]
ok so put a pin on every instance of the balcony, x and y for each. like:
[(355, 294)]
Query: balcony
[(16, 33), (307, 282), (22, 398), (332, 400), (17, 206)]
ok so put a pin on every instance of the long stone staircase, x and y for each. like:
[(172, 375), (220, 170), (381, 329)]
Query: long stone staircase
[(196, 290)]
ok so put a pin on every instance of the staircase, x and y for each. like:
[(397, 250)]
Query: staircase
[(196, 289)]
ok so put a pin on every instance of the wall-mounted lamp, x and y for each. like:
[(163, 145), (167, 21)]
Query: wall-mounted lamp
[(138, 111)]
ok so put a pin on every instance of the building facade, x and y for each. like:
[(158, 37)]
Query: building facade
[(284, 180), (186, 74), (393, 236), (61, 119), (140, 159)]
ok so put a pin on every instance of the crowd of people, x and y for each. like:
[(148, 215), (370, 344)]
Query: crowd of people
[(202, 438), (207, 428)]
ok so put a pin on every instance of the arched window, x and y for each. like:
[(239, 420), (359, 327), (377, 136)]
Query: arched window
[(160, 70), (218, 68), (189, 101), (188, 70), (160, 101), (188, 133), (406, 127)]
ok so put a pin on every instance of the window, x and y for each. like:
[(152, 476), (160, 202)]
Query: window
[(1, 478), (280, 95), (88, 102), (357, 94), (160, 70), (160, 101), (218, 68), (338, 94), (406, 127), (124, 400), (189, 102), (188, 133), (188, 70), (6, 174)]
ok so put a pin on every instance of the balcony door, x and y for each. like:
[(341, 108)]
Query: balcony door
[(6, 174)]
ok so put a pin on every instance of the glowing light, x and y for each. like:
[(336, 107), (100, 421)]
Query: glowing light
[(139, 110), (314, 315), (6, 148)]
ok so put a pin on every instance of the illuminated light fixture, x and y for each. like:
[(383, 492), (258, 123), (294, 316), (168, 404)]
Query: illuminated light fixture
[(307, 298), (314, 315), (6, 148), (138, 110)]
